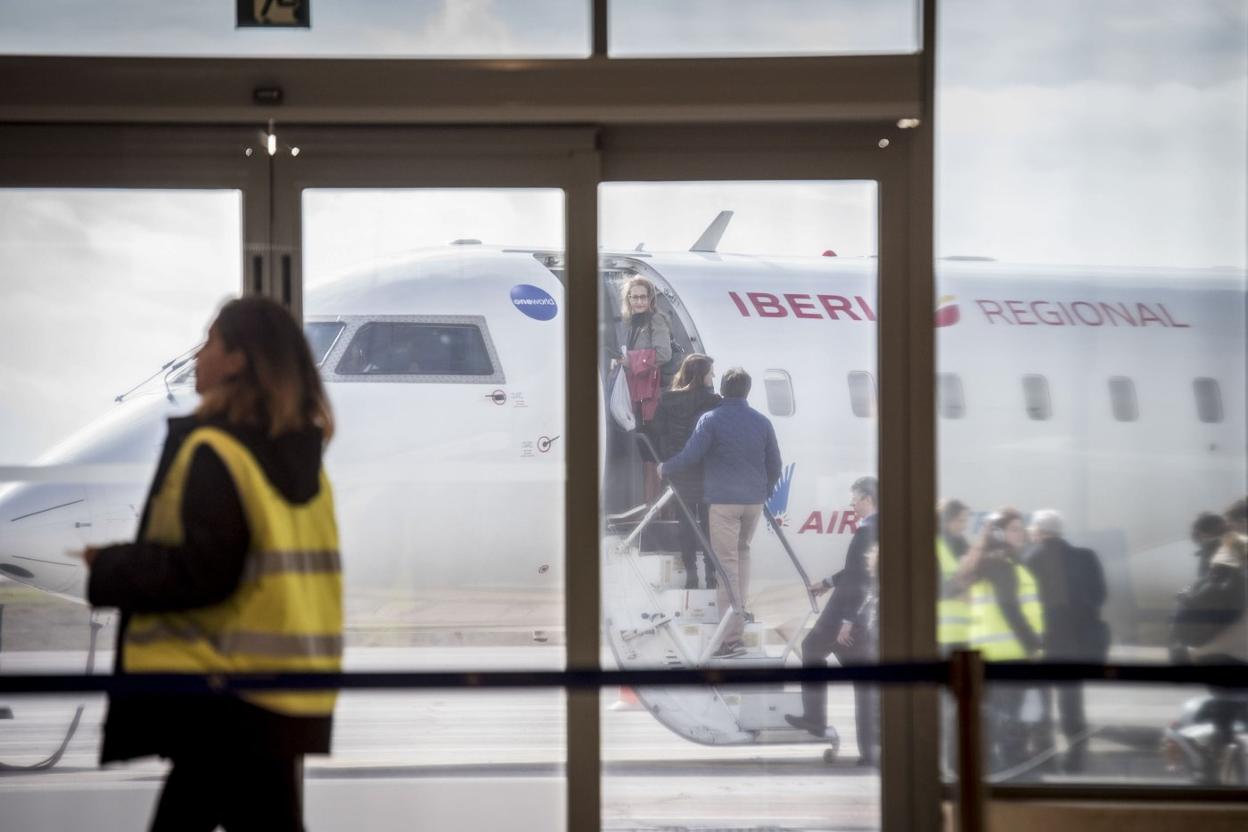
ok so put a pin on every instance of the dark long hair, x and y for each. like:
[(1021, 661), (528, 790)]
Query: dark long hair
[(692, 371), (279, 390)]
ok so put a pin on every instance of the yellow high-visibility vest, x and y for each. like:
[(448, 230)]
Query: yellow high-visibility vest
[(990, 633), (953, 615), (285, 615)]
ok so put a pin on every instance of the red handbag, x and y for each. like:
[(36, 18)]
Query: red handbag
[(643, 380)]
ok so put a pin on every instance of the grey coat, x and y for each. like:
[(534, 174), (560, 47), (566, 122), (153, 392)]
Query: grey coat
[(651, 330)]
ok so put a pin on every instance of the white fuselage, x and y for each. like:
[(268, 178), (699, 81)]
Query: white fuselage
[(448, 484)]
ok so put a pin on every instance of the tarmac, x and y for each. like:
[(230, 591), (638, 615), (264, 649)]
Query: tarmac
[(487, 760)]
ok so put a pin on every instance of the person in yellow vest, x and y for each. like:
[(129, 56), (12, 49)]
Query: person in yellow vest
[(953, 613), (1006, 624), (236, 569)]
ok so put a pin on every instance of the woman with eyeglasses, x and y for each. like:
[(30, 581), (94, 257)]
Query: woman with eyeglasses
[(648, 348)]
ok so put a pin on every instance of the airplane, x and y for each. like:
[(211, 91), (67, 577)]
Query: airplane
[(1114, 396)]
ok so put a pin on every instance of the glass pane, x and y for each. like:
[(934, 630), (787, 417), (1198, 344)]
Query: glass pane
[(737, 28), (447, 382), (321, 336), (359, 29), (447, 386), (436, 349), (683, 553), (400, 761), (106, 294), (1093, 226)]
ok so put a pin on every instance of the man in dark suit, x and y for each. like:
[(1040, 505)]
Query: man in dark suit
[(834, 631), (1072, 591)]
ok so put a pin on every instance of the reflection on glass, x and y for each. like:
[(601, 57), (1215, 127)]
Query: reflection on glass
[(738, 28), (1093, 255), (101, 288), (447, 465), (105, 294), (360, 29), (700, 282), (446, 377)]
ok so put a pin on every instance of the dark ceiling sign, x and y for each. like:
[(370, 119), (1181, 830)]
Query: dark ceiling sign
[(277, 13)]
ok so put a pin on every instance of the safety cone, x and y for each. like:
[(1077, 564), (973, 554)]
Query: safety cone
[(626, 701)]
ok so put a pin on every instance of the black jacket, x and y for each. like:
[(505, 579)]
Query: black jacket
[(204, 570), (1204, 555), (1072, 592), (851, 585), (673, 424)]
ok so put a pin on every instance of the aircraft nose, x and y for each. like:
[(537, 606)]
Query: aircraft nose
[(43, 528)]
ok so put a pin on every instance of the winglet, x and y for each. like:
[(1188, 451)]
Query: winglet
[(709, 241)]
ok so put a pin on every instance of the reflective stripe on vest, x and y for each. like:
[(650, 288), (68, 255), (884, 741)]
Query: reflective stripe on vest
[(953, 615), (286, 613), (990, 633)]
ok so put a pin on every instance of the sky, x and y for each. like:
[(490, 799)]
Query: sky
[(1107, 133)]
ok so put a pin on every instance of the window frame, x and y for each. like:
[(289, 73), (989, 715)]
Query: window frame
[(831, 123)]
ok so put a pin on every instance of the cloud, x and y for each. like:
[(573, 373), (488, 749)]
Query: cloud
[(1140, 43), (1099, 172), (346, 28)]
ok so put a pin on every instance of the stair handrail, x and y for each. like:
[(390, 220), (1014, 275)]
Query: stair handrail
[(797, 564)]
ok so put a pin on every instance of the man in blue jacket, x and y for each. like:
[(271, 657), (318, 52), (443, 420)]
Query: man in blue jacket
[(740, 466)]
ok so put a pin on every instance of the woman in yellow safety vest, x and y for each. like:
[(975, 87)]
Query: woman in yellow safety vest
[(1006, 623), (236, 569)]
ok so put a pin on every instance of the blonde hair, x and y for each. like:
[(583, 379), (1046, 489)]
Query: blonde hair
[(637, 280), (279, 390)]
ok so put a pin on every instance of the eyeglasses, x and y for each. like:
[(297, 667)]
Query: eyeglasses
[(639, 297)]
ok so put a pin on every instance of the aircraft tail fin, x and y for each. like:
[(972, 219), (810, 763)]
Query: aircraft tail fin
[(709, 241)]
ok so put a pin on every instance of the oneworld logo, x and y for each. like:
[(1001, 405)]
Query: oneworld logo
[(534, 302)]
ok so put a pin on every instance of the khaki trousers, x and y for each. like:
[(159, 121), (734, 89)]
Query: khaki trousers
[(732, 529)]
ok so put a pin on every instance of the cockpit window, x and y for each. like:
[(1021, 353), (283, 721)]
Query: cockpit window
[(321, 336), (416, 349)]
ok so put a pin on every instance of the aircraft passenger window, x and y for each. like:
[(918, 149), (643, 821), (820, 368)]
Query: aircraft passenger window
[(1122, 398), (321, 337), (949, 397), (779, 386), (1036, 392), (404, 348), (1208, 400), (862, 394)]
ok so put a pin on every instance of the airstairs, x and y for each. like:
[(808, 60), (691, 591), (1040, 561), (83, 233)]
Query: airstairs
[(652, 621)]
